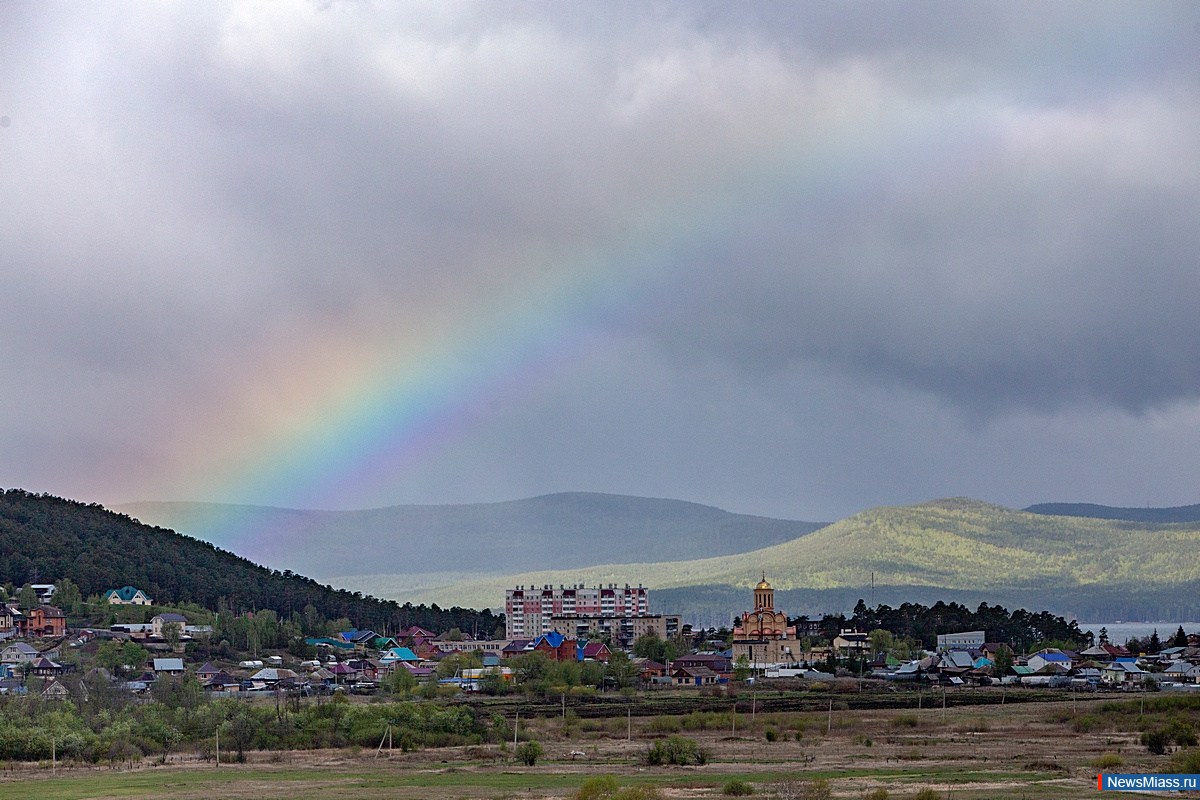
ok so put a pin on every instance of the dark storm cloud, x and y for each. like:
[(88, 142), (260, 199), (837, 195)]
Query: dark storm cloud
[(985, 208)]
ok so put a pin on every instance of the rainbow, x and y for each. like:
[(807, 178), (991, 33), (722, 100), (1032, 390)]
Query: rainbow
[(353, 420)]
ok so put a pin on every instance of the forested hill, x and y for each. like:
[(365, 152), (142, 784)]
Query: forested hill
[(1093, 511), (44, 538), (570, 529)]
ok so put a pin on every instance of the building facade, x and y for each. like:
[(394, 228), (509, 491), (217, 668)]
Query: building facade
[(764, 637), (528, 611), (624, 630)]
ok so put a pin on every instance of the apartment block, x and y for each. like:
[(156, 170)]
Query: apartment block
[(528, 611)]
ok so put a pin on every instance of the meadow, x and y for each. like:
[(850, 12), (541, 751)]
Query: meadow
[(1033, 750)]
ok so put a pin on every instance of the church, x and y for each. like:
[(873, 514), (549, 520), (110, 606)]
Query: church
[(764, 637)]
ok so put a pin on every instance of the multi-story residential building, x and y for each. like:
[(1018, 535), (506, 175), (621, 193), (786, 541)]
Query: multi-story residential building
[(624, 630), (528, 611)]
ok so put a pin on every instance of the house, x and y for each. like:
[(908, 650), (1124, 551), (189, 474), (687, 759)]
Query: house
[(1105, 652), (43, 622), (207, 672), (273, 676), (168, 666), (719, 663), (517, 647), (44, 591), (853, 642), (649, 669), (360, 640), (415, 636), (1122, 673), (45, 668), (222, 682), (343, 673), (1049, 661), (593, 651), (1183, 672), (160, 621), (557, 647), (7, 620), (127, 596), (12, 686), (18, 653), (399, 654), (367, 670), (693, 676), (55, 690)]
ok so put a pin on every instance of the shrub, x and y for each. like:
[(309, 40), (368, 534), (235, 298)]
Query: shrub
[(1107, 761), (800, 735), (876, 794), (926, 794), (772, 734), (862, 740), (529, 753), (1186, 762), (599, 787), (736, 787), (664, 725), (905, 721), (676, 750)]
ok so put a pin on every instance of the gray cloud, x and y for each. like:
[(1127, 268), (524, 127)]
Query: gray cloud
[(981, 217)]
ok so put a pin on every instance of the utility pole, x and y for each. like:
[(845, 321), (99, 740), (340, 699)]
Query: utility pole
[(53, 757), (218, 744), (829, 724), (629, 723), (516, 724)]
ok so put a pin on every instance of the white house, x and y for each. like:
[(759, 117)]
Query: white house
[(18, 653), (159, 621), (127, 596)]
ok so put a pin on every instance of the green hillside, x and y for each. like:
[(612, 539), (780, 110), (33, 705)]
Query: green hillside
[(48, 538), (955, 547), (571, 529)]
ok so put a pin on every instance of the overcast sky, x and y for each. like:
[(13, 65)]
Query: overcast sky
[(794, 259)]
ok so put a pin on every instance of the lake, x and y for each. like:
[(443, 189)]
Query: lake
[(1121, 632)]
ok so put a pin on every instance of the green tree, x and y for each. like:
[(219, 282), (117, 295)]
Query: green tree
[(172, 633), (401, 682), (1179, 639), (650, 646), (741, 668), (529, 753), (27, 597), (133, 656), (67, 596), (620, 670), (1003, 660), (881, 641)]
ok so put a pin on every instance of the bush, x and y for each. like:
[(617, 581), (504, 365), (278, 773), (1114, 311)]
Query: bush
[(772, 734), (736, 787), (905, 721), (529, 753), (1186, 762), (1176, 731), (676, 750), (1107, 761), (597, 788), (876, 794), (926, 794)]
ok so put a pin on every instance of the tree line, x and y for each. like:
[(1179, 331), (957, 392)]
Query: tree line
[(43, 538)]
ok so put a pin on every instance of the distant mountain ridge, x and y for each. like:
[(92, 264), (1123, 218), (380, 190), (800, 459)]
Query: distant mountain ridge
[(564, 530), (955, 548), (1094, 511)]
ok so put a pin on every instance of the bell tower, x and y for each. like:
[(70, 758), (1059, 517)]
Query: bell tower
[(764, 595)]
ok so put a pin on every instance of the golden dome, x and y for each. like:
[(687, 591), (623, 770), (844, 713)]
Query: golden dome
[(763, 583)]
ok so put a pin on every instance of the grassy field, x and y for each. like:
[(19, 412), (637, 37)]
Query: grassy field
[(1016, 751)]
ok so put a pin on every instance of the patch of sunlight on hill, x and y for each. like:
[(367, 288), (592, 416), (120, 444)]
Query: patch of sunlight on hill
[(955, 544)]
